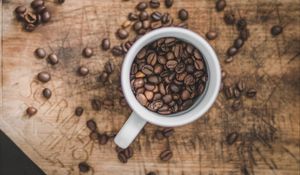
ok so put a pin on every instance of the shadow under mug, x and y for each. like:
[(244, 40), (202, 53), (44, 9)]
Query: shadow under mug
[(141, 115)]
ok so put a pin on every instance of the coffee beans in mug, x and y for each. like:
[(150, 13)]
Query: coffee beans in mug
[(168, 75)]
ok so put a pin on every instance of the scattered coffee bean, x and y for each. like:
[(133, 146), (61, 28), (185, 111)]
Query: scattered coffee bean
[(37, 3), (183, 14), (79, 111), (143, 15), (166, 155), (105, 44), (154, 4), (241, 86), (232, 138), (46, 16), (220, 5), (40, 53), (29, 27), (236, 93), (244, 34), (117, 51), (96, 104), (241, 24), (91, 124), (151, 173), (251, 93), (238, 43), (122, 157), (103, 139), (168, 3), (47, 93), (126, 24), (167, 132), (87, 52), (236, 105), (40, 9), (276, 30), (52, 59), (156, 16), (83, 167), (44, 77), (232, 51), (122, 33), (83, 71), (128, 152), (31, 111), (211, 35), (132, 16), (20, 10), (158, 134), (103, 77), (141, 6), (229, 92), (30, 18), (109, 67), (229, 18)]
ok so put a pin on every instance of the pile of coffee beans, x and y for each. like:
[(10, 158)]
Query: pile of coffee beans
[(31, 19), (168, 75)]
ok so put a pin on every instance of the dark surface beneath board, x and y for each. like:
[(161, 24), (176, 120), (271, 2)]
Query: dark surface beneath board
[(13, 161)]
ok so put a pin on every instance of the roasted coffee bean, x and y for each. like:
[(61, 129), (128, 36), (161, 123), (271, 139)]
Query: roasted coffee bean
[(241, 24), (36, 3), (155, 105), (109, 67), (126, 24), (52, 59), (79, 111), (60, 1), (151, 173), (168, 3), (154, 4), (143, 15), (157, 96), (156, 16), (236, 105), (229, 18), (20, 10), (91, 124), (240, 86), (141, 6), (47, 93), (231, 138), (103, 77), (220, 5), (236, 93), (228, 92), (128, 152), (211, 35), (30, 18), (238, 43), (199, 65), (232, 51), (152, 58), (154, 79), (96, 104), (122, 33), (46, 16), (40, 9), (87, 52), (251, 93), (167, 132), (44, 77), (94, 135), (187, 104), (122, 157), (117, 51), (244, 34), (183, 14), (174, 88), (29, 27), (190, 68), (166, 155), (276, 30), (167, 98), (146, 24), (40, 53), (105, 44), (149, 95), (132, 16), (31, 111), (158, 134), (137, 25), (142, 99), (156, 25), (83, 167), (167, 20), (171, 64), (185, 95), (189, 80), (103, 139), (83, 71)]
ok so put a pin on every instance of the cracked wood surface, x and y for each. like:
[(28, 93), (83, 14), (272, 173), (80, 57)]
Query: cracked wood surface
[(57, 141)]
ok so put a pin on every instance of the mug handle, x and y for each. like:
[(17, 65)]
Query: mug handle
[(129, 130)]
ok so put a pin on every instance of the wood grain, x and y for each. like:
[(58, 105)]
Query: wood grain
[(57, 141)]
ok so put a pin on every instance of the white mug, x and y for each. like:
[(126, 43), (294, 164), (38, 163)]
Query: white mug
[(141, 115)]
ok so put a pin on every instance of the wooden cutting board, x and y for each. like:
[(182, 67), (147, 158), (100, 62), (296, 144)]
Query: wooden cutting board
[(57, 141)]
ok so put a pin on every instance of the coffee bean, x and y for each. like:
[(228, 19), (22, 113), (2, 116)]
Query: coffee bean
[(155, 105), (171, 64), (94, 135), (143, 15), (149, 95), (60, 1), (244, 34), (128, 152), (236, 93), (228, 92), (29, 27), (168, 3), (31, 111), (153, 79), (47, 93), (37, 3), (166, 155), (44, 77), (156, 16), (167, 132), (91, 124), (83, 167), (46, 16), (40, 9), (83, 71), (30, 18), (126, 24), (122, 157), (251, 93), (229, 18), (52, 59), (142, 99), (96, 104), (220, 5), (187, 104), (240, 86), (79, 111), (238, 43), (183, 14), (232, 51), (40, 53), (156, 25), (152, 58), (185, 95), (117, 51), (174, 88), (151, 173), (132, 16), (154, 4), (105, 44), (87, 52), (103, 139), (231, 138), (167, 98), (211, 35), (276, 30), (109, 67), (236, 105), (141, 6), (158, 135), (103, 77), (241, 24), (20, 10)]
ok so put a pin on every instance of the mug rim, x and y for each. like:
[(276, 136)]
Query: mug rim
[(207, 98)]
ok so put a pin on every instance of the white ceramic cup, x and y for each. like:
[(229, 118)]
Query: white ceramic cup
[(141, 115)]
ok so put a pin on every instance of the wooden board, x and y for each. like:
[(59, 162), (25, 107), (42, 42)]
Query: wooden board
[(57, 141)]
